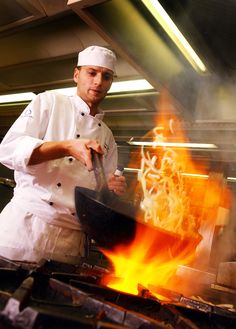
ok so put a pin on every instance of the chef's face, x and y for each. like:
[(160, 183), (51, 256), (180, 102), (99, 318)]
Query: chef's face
[(93, 83)]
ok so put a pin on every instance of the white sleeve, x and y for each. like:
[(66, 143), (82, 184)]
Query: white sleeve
[(25, 135)]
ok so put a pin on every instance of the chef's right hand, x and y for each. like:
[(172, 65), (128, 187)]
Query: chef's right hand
[(81, 150)]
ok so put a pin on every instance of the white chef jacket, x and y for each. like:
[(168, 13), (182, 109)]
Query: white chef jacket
[(43, 198)]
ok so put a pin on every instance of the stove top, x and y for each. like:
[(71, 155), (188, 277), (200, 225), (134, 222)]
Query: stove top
[(55, 295)]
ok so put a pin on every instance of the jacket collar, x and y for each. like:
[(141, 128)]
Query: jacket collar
[(83, 107)]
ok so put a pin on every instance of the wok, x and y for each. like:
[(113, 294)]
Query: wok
[(112, 222), (106, 219)]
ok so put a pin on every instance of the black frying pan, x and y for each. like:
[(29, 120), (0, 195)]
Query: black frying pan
[(104, 217), (111, 222)]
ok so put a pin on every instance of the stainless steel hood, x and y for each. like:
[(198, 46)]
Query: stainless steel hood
[(40, 40)]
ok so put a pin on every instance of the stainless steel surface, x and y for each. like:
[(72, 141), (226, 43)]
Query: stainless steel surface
[(40, 39), (99, 171), (226, 274)]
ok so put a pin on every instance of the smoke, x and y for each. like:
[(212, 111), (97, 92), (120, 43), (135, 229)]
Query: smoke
[(208, 103), (207, 97), (216, 100), (224, 247)]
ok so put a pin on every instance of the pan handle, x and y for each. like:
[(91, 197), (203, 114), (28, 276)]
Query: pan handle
[(98, 171)]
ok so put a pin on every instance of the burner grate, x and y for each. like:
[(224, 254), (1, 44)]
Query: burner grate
[(55, 295)]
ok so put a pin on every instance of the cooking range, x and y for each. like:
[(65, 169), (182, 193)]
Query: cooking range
[(57, 295)]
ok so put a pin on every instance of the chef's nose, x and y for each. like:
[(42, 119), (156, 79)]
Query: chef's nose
[(98, 78)]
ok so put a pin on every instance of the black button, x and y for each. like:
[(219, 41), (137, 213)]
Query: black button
[(78, 135), (99, 124), (51, 203), (73, 214), (58, 184), (70, 159), (82, 113)]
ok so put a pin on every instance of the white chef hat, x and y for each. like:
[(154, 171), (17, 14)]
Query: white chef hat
[(97, 56)]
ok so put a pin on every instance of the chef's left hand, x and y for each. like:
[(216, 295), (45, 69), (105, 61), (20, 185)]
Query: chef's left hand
[(117, 184)]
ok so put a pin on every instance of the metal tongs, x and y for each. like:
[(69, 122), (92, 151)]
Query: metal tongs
[(103, 194), (99, 171)]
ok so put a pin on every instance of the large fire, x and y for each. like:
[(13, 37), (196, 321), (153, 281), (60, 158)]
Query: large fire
[(168, 224)]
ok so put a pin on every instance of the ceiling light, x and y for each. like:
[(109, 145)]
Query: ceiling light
[(132, 169), (174, 33), (130, 85), (127, 110), (11, 98), (136, 170), (231, 179), (117, 87), (195, 175), (181, 145)]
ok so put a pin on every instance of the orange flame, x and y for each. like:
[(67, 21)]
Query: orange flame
[(152, 258), (168, 224)]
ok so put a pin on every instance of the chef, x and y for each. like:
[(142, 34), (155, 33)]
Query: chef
[(49, 149)]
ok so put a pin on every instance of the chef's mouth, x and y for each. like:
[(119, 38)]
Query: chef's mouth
[(96, 91)]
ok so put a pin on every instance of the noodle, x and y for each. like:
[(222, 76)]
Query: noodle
[(165, 202)]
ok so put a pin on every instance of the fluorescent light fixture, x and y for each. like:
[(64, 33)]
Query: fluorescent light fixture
[(11, 98), (231, 179), (136, 170), (126, 110), (181, 145), (195, 175), (130, 85), (132, 169), (117, 87), (174, 33), (183, 174)]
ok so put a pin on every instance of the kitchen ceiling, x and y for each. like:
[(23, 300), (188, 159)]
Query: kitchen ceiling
[(40, 39), (210, 27)]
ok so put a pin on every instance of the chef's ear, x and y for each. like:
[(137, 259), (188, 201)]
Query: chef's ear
[(76, 73)]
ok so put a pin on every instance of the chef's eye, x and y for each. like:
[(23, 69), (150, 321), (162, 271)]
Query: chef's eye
[(92, 73), (107, 76)]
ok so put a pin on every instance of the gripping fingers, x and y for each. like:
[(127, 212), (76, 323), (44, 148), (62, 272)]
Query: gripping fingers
[(93, 144)]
